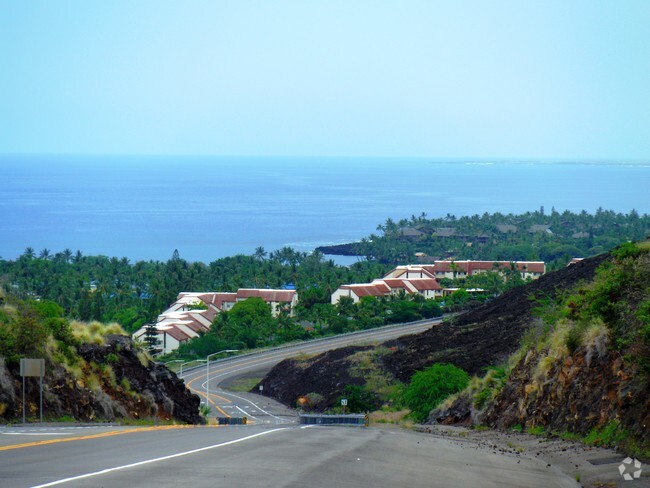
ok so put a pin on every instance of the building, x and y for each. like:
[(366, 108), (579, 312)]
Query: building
[(411, 279), (463, 269), (423, 279), (192, 314)]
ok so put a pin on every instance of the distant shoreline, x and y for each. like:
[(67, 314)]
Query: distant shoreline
[(350, 249)]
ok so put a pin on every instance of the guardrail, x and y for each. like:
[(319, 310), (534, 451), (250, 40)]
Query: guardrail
[(320, 339), (356, 419), (232, 420)]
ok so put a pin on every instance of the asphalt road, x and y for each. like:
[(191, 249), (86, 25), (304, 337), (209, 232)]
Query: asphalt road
[(265, 456), (258, 408)]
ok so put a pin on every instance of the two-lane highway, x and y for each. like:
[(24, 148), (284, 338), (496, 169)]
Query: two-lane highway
[(269, 456), (260, 409)]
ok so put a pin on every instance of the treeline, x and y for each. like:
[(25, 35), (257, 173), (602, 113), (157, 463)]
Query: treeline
[(554, 237), (133, 294)]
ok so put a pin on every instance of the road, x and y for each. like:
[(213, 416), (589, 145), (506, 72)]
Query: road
[(272, 451), (260, 409), (261, 456)]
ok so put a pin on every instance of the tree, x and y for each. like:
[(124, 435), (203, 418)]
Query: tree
[(249, 322), (151, 337), (260, 253)]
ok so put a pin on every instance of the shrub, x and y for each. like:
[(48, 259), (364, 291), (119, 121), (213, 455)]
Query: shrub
[(430, 387), (359, 399)]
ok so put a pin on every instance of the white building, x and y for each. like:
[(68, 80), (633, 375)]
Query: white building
[(192, 314)]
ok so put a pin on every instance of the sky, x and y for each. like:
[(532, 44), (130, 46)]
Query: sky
[(509, 79)]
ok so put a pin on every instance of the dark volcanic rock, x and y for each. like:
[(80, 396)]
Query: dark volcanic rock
[(326, 375), (169, 397), (351, 249), (114, 384)]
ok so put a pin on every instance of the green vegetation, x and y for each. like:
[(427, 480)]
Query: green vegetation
[(536, 430), (609, 435), (430, 387), (486, 388), (556, 238), (612, 311), (243, 384), (360, 399)]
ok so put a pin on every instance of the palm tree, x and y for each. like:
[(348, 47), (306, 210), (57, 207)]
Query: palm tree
[(45, 253), (29, 253), (67, 255), (260, 253)]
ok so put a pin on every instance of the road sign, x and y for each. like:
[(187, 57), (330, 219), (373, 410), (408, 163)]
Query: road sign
[(344, 402), (32, 368)]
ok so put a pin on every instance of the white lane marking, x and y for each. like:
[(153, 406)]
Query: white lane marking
[(155, 460), (31, 433), (246, 414), (284, 419)]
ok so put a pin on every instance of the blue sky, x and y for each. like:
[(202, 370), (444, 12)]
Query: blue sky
[(551, 79)]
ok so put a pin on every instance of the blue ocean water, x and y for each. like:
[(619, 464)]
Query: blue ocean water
[(144, 207)]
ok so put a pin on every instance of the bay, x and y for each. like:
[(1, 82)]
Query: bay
[(144, 207)]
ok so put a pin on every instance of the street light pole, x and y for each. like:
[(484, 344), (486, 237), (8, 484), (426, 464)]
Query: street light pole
[(207, 366), (180, 375)]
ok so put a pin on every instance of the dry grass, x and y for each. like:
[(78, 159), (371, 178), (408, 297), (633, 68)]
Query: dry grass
[(94, 332), (382, 417)]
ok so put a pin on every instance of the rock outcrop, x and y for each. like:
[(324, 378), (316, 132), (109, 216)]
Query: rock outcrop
[(115, 380)]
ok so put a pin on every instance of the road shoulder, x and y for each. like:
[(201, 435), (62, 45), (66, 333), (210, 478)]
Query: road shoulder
[(590, 466)]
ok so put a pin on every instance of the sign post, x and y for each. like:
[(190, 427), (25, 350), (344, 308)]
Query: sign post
[(33, 368)]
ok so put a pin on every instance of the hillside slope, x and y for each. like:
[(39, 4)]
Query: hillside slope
[(474, 340), (585, 369)]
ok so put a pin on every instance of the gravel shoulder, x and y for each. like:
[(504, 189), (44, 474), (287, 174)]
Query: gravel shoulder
[(591, 466)]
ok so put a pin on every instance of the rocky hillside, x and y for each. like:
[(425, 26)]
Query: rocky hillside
[(482, 337), (90, 374), (584, 370)]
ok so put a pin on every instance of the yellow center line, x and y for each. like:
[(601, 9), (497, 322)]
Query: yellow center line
[(224, 399), (103, 434), (221, 411)]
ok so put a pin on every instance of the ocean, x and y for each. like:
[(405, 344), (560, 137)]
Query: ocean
[(145, 207)]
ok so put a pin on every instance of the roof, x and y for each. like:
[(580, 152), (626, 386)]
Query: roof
[(401, 271), (445, 231), (266, 295), (505, 228), (539, 228), (471, 266), (368, 289), (424, 284), (410, 232), (396, 283)]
